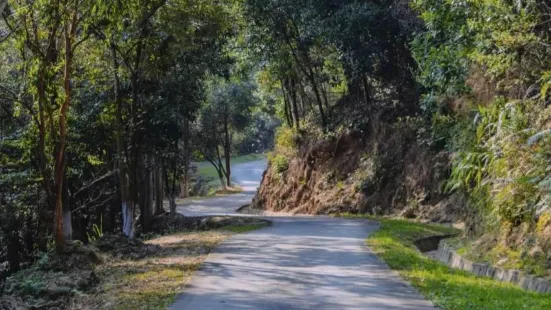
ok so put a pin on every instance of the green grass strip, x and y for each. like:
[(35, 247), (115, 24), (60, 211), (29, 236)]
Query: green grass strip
[(445, 287)]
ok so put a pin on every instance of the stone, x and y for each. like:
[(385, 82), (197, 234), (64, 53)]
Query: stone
[(543, 285), (456, 261), (445, 254), (483, 270), (480, 269), (468, 265), (490, 272), (533, 285), (524, 281), (499, 274), (514, 276), (536, 252)]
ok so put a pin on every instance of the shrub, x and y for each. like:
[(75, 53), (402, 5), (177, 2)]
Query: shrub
[(286, 138), (280, 163)]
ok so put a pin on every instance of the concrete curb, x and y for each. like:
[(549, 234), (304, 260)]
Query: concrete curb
[(449, 257)]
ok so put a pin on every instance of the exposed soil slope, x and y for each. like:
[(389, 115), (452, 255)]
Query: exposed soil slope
[(378, 169)]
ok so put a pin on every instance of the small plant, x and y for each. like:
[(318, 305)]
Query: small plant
[(32, 286), (286, 138), (97, 231), (280, 163)]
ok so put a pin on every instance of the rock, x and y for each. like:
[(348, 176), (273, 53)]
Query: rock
[(409, 212), (525, 281), (543, 286), (536, 252), (501, 262)]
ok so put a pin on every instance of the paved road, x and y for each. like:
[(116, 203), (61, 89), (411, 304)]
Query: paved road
[(297, 263)]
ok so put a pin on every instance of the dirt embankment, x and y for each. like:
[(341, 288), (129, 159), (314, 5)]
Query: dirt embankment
[(380, 170)]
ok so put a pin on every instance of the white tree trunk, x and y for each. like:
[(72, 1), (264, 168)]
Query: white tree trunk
[(128, 219)]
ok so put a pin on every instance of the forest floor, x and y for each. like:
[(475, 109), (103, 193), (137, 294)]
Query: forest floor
[(447, 288), (117, 273)]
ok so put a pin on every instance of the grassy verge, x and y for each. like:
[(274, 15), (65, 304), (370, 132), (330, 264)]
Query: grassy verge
[(153, 282), (445, 287)]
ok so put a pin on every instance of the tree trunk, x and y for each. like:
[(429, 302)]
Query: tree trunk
[(366, 93), (293, 92), (145, 195), (227, 150), (172, 202), (13, 244), (158, 192), (184, 190), (171, 193), (60, 164), (325, 98), (13, 251), (127, 205), (221, 177), (127, 209), (319, 101), (67, 217), (286, 106)]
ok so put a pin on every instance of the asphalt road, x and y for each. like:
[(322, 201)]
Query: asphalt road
[(297, 263)]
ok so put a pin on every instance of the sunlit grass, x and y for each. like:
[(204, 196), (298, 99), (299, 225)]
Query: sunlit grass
[(154, 282), (445, 287), (243, 228)]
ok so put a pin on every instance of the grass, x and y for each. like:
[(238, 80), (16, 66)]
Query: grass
[(154, 282), (445, 287), (243, 228)]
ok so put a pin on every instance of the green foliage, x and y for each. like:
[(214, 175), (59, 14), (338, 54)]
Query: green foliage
[(32, 286), (97, 232), (500, 170), (243, 228), (485, 54), (286, 138), (280, 163)]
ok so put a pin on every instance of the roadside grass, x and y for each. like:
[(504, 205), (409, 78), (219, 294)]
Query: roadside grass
[(447, 288), (154, 282), (243, 228)]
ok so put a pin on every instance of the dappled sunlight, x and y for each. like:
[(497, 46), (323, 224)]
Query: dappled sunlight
[(299, 263)]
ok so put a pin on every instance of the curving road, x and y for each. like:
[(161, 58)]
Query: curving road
[(297, 263)]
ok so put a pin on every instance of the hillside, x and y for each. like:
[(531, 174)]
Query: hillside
[(379, 170)]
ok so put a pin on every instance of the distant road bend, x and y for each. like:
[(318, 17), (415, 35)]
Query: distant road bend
[(297, 263)]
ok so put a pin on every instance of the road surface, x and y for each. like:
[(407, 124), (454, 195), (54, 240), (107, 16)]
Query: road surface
[(297, 263)]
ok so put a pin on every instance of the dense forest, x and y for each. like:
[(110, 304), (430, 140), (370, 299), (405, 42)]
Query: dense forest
[(105, 105)]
